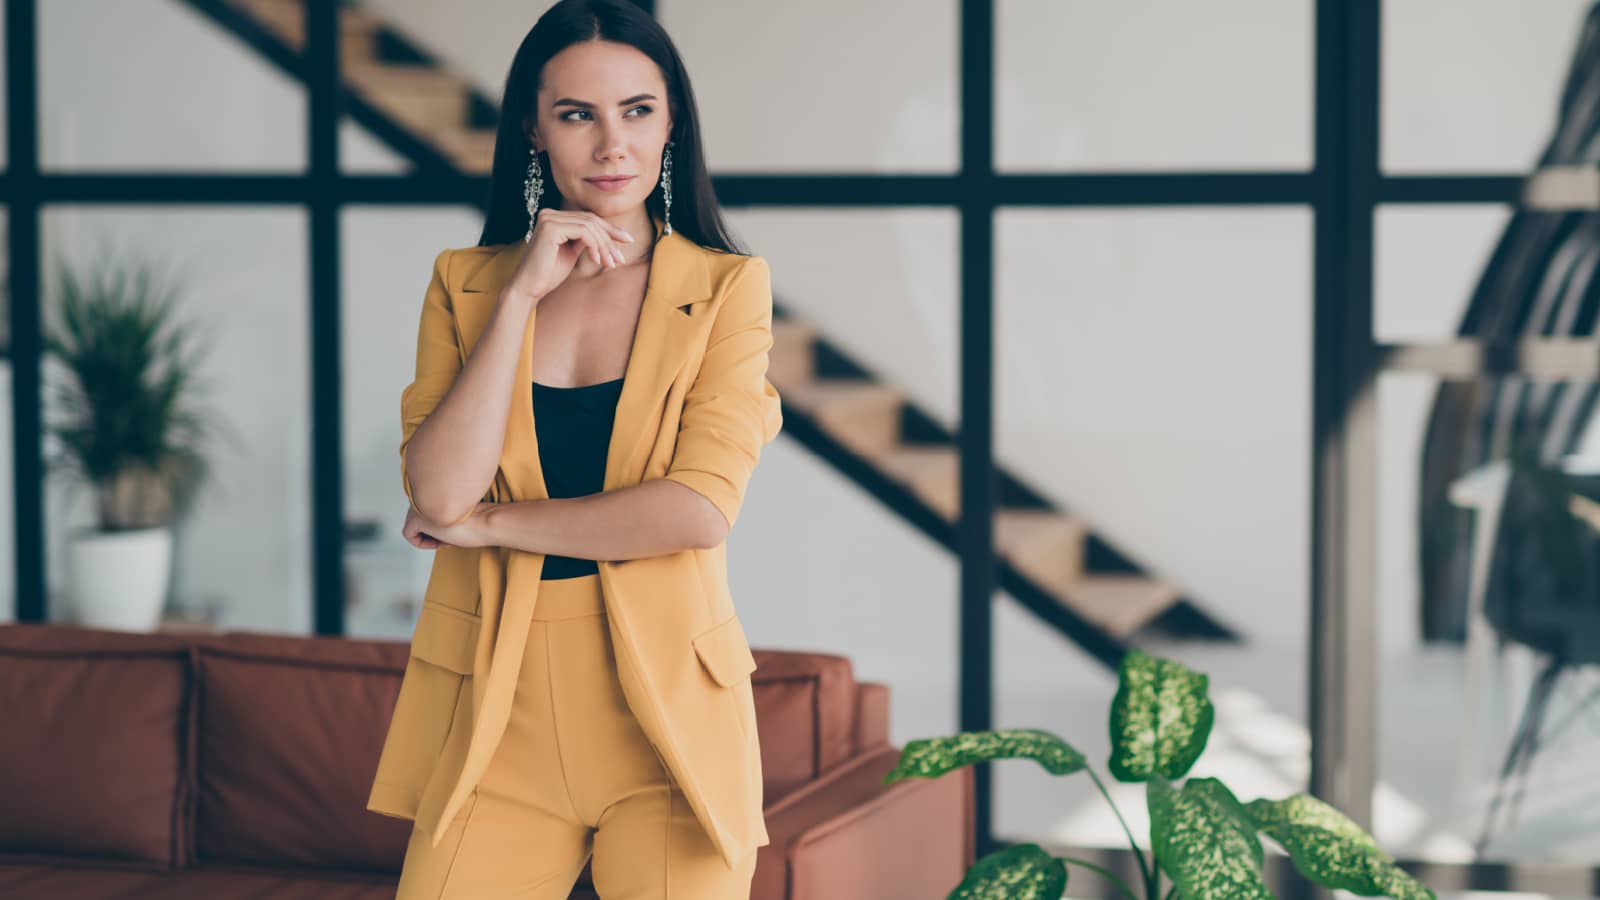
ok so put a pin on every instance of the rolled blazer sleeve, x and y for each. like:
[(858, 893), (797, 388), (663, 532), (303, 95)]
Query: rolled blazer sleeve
[(438, 362), (732, 410)]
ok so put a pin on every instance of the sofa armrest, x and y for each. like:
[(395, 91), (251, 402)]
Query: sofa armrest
[(872, 715), (847, 835)]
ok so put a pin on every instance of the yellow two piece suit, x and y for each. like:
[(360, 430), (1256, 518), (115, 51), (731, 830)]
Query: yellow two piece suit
[(695, 407)]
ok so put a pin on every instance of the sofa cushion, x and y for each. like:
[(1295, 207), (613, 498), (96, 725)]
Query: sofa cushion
[(97, 728), (809, 699), (290, 731)]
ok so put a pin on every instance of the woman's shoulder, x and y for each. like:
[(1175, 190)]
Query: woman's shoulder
[(727, 264), (448, 256), (455, 266), (476, 250)]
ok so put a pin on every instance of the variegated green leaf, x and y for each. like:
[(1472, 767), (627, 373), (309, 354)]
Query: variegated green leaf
[(1331, 850), (1019, 872), (1160, 718), (932, 757), (1204, 840), (1304, 809)]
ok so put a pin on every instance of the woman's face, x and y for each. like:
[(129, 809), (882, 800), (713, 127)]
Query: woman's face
[(602, 110)]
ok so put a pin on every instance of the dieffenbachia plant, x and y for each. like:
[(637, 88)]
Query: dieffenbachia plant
[(1203, 839)]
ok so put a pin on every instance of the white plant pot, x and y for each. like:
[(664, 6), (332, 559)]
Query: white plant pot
[(118, 579)]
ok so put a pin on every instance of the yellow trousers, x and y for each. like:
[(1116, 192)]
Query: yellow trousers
[(574, 776)]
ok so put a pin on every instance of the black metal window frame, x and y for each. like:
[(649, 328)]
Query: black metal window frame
[(1343, 190)]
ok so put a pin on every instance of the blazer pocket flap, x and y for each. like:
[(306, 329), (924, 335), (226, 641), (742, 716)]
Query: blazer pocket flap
[(725, 653), (446, 636)]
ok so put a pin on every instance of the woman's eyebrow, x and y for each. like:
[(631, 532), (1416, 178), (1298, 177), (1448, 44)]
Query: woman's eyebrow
[(568, 101)]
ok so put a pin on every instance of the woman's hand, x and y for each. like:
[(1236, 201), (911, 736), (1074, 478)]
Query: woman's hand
[(425, 535), (559, 238)]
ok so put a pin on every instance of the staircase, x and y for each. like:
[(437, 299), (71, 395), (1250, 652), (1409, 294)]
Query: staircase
[(393, 83), (1049, 560)]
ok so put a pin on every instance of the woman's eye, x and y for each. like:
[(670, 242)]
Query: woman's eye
[(586, 112)]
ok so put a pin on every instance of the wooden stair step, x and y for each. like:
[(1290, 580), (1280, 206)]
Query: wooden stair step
[(358, 28), (422, 97), (1041, 543), (472, 149), (931, 471), (407, 77), (1044, 545), (1121, 604), (839, 392), (1047, 547), (863, 415)]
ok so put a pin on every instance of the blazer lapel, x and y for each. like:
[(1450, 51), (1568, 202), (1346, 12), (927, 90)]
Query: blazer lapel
[(663, 341)]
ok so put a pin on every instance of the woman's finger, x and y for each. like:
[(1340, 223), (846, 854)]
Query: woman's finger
[(616, 232), (597, 227), (569, 230), (581, 234), (618, 236)]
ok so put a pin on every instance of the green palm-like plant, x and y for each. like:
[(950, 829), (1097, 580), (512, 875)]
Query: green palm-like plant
[(125, 419), (1204, 840)]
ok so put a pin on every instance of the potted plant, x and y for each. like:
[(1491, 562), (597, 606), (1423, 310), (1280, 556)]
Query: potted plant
[(124, 423), (1205, 842)]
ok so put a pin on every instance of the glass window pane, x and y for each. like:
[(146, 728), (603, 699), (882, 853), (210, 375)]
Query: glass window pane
[(240, 551), (1476, 598), (431, 100), (434, 74), (108, 101), (1484, 270), (1473, 86), (388, 259), (759, 100), (1152, 369), (360, 152), (1154, 85), (1429, 261), (901, 265)]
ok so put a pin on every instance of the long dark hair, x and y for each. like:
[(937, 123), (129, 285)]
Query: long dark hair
[(695, 212)]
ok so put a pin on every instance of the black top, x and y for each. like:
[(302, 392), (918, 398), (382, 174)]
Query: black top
[(573, 427)]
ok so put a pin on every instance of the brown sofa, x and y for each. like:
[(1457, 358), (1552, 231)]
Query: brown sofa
[(238, 765)]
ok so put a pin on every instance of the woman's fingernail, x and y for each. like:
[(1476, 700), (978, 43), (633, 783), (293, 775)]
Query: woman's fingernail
[(626, 236)]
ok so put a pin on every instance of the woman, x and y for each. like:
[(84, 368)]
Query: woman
[(579, 684)]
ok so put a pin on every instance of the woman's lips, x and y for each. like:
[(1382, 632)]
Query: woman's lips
[(610, 184)]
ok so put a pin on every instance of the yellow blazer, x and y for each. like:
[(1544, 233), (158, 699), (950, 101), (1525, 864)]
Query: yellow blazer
[(695, 407)]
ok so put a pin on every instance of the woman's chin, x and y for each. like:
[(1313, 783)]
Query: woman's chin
[(605, 203)]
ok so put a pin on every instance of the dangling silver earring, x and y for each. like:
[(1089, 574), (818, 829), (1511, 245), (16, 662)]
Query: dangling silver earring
[(532, 187), (666, 185)]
